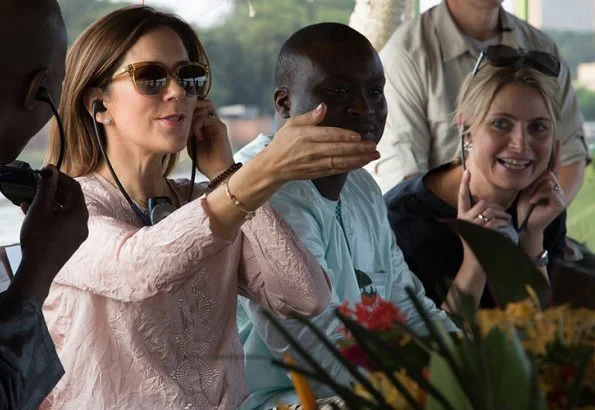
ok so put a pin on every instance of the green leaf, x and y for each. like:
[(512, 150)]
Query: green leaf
[(508, 269), (510, 371), (444, 380)]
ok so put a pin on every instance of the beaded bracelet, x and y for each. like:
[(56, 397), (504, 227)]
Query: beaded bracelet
[(238, 204), (224, 175)]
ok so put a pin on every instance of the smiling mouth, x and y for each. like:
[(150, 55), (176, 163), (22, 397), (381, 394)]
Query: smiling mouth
[(515, 164)]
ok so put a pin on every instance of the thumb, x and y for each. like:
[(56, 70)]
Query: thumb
[(46, 188), (465, 193), (313, 117), (25, 207)]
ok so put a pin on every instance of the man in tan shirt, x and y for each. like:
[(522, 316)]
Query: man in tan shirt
[(426, 61)]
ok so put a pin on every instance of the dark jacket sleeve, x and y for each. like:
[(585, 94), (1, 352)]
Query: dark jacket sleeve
[(29, 364)]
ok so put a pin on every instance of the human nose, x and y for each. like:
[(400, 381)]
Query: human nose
[(360, 105), (173, 90), (519, 140)]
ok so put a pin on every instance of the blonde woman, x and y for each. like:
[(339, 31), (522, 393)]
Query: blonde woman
[(506, 179), (143, 314)]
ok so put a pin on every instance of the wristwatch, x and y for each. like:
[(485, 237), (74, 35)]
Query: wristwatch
[(542, 259)]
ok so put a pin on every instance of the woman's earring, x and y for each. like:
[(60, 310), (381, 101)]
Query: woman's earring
[(467, 146), (107, 121)]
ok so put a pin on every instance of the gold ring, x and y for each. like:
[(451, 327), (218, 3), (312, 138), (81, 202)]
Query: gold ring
[(211, 114), (484, 220), (557, 188)]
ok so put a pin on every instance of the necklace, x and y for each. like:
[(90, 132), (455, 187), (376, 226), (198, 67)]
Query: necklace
[(143, 204)]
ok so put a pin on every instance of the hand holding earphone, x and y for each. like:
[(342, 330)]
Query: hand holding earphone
[(55, 225), (213, 153)]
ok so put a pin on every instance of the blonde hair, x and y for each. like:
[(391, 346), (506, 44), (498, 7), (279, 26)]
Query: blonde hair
[(91, 61), (477, 93)]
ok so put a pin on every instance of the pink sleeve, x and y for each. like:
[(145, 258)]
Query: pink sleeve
[(124, 262), (277, 271)]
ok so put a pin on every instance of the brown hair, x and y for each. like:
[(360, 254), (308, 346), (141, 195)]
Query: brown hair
[(92, 60), (477, 93)]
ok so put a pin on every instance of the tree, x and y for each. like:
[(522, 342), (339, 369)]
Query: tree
[(586, 101), (378, 19), (79, 14), (243, 50)]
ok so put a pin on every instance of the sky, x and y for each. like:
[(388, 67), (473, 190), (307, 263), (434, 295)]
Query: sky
[(208, 12), (204, 13)]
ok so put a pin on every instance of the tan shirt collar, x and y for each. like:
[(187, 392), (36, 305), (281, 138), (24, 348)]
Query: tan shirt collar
[(452, 41)]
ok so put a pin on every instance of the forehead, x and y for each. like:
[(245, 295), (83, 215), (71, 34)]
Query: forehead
[(158, 44), (521, 100), (355, 62)]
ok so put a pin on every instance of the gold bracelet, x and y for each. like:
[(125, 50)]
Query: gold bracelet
[(237, 203)]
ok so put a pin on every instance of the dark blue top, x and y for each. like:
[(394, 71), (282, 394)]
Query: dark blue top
[(432, 250), (29, 364)]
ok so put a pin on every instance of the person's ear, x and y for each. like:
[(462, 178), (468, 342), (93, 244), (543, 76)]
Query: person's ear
[(463, 126), (94, 102), (282, 102), (36, 81)]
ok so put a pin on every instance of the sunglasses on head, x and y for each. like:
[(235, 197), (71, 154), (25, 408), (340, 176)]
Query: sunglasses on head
[(504, 56), (152, 78)]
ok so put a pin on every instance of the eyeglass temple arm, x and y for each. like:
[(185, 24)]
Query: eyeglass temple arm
[(477, 64)]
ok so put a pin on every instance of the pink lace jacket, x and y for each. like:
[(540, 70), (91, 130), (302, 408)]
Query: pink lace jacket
[(145, 317)]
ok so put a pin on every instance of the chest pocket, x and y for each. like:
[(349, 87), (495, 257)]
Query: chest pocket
[(372, 284)]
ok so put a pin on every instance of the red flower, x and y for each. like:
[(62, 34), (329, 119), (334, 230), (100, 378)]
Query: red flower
[(373, 313), (566, 373), (344, 309), (356, 355), (369, 300), (384, 315)]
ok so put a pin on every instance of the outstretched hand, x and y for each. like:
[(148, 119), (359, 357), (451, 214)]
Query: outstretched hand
[(543, 200), (302, 150), (54, 227)]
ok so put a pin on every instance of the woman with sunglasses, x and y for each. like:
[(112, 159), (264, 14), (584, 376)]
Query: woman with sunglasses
[(504, 178), (143, 315)]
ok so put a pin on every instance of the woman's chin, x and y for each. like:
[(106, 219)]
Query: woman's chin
[(514, 179), (173, 147), (512, 184)]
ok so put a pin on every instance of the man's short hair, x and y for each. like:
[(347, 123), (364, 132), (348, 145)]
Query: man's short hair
[(308, 42)]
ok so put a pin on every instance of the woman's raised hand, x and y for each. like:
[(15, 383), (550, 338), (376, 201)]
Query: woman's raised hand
[(302, 150), (545, 196), (214, 153), (483, 213)]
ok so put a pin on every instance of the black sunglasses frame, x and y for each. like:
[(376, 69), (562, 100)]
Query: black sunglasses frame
[(501, 55)]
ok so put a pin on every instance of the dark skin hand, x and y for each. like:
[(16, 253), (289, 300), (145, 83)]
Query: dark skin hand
[(54, 227)]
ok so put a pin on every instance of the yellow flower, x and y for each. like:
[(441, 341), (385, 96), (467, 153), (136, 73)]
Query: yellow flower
[(392, 396)]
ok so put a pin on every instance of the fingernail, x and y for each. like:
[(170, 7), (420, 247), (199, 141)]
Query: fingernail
[(45, 173), (319, 108)]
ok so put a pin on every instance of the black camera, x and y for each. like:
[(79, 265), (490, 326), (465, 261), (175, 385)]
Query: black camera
[(18, 182)]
